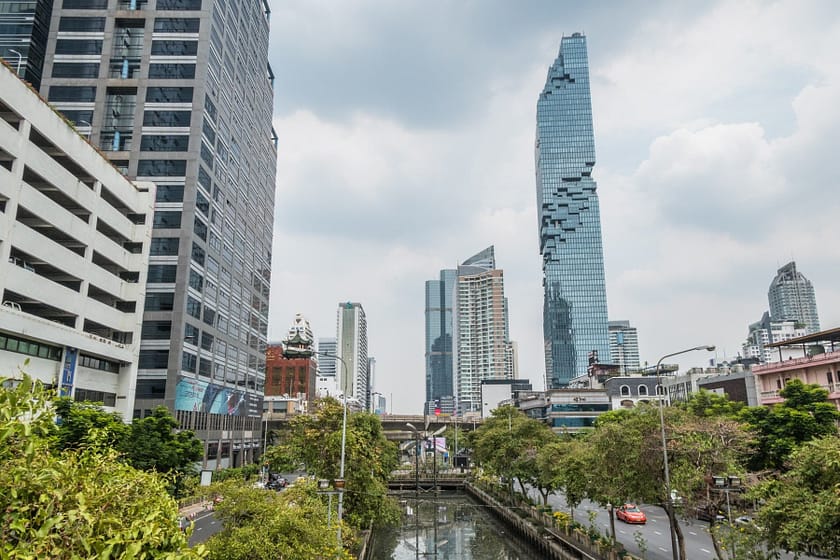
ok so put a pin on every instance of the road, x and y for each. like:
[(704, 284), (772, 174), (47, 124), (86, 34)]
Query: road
[(205, 526)]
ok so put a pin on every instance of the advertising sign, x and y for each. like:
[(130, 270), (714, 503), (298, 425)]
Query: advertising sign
[(201, 396), (68, 372)]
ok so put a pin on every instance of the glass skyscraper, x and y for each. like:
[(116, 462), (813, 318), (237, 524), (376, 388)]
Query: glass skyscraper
[(180, 93), (439, 336), (575, 298)]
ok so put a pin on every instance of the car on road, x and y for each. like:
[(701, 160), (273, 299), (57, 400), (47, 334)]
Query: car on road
[(630, 513)]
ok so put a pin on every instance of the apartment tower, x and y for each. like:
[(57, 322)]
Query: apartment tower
[(352, 347), (624, 346), (569, 221), (792, 298), (481, 347), (179, 93)]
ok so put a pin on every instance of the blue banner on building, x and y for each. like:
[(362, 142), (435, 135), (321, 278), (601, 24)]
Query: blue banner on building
[(68, 372)]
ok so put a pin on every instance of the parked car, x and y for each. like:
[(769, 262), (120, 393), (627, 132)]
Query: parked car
[(630, 513)]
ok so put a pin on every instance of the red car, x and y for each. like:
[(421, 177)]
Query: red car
[(630, 513)]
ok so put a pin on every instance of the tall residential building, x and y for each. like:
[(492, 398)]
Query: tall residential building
[(767, 331), (439, 294), (575, 296), (75, 236), (792, 298), (24, 27), (352, 347), (624, 346), (481, 345), (179, 92)]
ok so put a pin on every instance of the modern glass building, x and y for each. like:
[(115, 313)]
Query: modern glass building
[(24, 27), (575, 298), (792, 298), (179, 93), (439, 295)]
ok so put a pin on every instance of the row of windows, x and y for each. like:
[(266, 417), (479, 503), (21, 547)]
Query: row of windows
[(91, 70), (29, 347), (99, 363), (87, 395), (158, 94)]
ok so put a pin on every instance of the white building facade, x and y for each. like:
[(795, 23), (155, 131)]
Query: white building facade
[(75, 237), (352, 347)]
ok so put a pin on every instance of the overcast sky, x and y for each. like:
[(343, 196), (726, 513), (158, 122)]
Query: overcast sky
[(406, 145)]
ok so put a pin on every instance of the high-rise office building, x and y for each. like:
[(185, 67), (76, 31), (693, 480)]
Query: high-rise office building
[(575, 296), (326, 365), (352, 347), (24, 28), (481, 345), (792, 298), (439, 294), (179, 92), (624, 346)]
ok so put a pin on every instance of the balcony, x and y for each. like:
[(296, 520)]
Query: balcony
[(798, 363)]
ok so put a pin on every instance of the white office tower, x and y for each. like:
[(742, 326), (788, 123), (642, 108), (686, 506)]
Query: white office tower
[(352, 347), (624, 346), (481, 346), (74, 249)]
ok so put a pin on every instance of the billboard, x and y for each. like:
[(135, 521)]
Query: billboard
[(201, 396)]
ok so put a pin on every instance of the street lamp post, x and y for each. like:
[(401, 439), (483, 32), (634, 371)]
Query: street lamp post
[(298, 350), (20, 59), (669, 505)]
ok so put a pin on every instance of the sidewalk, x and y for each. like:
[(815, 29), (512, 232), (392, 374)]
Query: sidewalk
[(191, 511)]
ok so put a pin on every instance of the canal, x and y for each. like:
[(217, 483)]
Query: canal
[(450, 526)]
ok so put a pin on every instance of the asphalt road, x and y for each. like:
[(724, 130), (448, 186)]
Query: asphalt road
[(205, 526)]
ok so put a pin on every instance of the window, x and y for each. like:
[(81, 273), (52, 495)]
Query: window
[(165, 143), (204, 366), (196, 280), (188, 362), (200, 229), (165, 219), (79, 118), (153, 359), (85, 4), (207, 341), (169, 193), (204, 178), (78, 46), (30, 347), (161, 168), (202, 203), (77, 94), (179, 4), (169, 95), (160, 301), (150, 389), (177, 25), (156, 330), (86, 24), (198, 254), (101, 364), (625, 390), (166, 118), (171, 71), (75, 70), (193, 307), (643, 391), (209, 316), (162, 273), (87, 395), (190, 334), (164, 246), (175, 48)]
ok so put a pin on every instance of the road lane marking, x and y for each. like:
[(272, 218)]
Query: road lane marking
[(658, 532), (706, 551), (663, 549), (692, 533)]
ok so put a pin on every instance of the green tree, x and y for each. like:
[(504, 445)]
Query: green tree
[(801, 510), (154, 444), (264, 525), (82, 424), (805, 414), (75, 503), (564, 465), (507, 444), (314, 442), (705, 403)]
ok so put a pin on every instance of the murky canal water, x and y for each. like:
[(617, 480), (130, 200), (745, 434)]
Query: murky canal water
[(451, 526)]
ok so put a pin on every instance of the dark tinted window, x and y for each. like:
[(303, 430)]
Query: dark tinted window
[(169, 95), (157, 330), (169, 193), (196, 280), (153, 359), (75, 70), (193, 307), (202, 203), (161, 168), (78, 116), (200, 229), (174, 48), (172, 71), (165, 143), (161, 273), (166, 118), (167, 219), (190, 334), (176, 25), (81, 24), (165, 246), (204, 179), (72, 93), (188, 362), (78, 46), (85, 4), (150, 389), (179, 4), (159, 302), (198, 254)]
